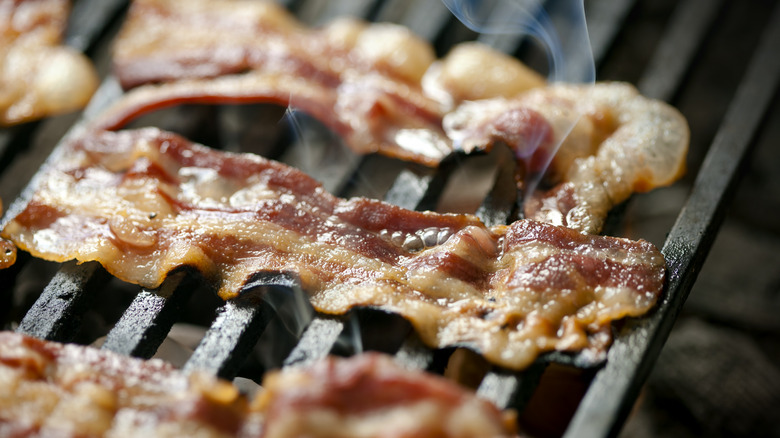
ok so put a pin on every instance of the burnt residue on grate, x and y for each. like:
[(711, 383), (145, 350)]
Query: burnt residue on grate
[(558, 388)]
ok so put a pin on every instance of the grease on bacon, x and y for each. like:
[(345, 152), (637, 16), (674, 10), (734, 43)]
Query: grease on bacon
[(51, 389), (39, 76), (145, 202)]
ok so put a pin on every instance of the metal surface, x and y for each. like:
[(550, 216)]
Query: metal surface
[(56, 315), (149, 318)]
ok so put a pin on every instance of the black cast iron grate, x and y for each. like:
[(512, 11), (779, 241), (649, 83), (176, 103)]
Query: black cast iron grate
[(610, 387)]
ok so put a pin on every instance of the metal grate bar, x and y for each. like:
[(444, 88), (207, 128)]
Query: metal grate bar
[(508, 43), (56, 314), (238, 326), (511, 390), (316, 342), (317, 12), (413, 354), (630, 359), (149, 318), (422, 192), (501, 201), (425, 18), (605, 19), (230, 339), (88, 21), (689, 25)]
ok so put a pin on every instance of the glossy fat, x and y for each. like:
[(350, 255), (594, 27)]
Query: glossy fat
[(145, 202)]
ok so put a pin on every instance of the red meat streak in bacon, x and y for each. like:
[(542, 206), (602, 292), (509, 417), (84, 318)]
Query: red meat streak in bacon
[(135, 208), (370, 386)]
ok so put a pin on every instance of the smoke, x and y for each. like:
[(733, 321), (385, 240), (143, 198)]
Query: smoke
[(557, 25), (559, 28)]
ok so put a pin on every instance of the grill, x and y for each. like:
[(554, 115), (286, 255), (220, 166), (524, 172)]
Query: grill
[(661, 46)]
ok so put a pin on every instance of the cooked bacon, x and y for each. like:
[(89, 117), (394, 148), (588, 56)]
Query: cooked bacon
[(38, 75), (145, 202), (360, 80), (66, 390), (370, 395), (613, 142)]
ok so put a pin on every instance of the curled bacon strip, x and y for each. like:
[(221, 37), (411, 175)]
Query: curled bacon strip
[(613, 142), (145, 202), (39, 76)]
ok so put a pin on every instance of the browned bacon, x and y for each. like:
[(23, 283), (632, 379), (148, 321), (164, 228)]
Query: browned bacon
[(51, 389), (38, 76), (145, 202), (362, 81)]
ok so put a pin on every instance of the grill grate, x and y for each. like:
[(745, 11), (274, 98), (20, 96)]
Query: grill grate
[(610, 389)]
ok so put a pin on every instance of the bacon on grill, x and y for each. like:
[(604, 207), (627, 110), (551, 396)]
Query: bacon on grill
[(613, 142), (145, 202), (38, 75), (51, 389)]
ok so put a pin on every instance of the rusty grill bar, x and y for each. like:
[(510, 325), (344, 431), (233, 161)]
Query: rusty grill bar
[(613, 386)]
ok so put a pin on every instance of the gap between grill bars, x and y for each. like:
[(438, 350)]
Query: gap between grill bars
[(239, 323)]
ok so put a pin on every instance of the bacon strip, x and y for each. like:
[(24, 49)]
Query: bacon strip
[(360, 80), (613, 142), (39, 76), (145, 202), (51, 389)]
